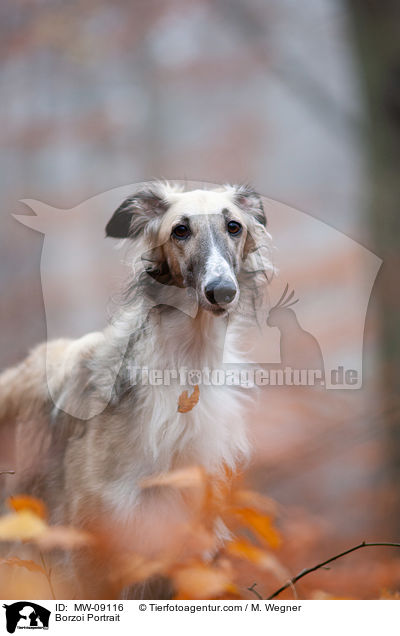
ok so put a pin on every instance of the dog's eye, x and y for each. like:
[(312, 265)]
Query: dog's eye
[(181, 231), (234, 227)]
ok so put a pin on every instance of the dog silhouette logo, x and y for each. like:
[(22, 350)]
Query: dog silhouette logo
[(26, 615)]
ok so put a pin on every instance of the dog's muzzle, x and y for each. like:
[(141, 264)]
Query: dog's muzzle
[(220, 291)]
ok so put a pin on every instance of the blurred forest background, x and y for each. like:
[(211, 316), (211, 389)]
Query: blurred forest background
[(302, 100)]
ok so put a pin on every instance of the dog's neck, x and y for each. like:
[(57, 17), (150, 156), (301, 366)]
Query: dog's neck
[(170, 338), (197, 341)]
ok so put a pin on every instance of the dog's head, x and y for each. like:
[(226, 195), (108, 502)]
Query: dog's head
[(200, 239)]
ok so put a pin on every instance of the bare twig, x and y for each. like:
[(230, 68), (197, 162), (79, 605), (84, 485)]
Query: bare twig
[(306, 571), (48, 575), (7, 472), (253, 589), (290, 584)]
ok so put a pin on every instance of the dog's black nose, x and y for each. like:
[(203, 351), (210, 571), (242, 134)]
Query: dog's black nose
[(220, 292)]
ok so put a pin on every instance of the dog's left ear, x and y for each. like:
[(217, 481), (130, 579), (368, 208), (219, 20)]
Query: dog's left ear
[(136, 213), (249, 201)]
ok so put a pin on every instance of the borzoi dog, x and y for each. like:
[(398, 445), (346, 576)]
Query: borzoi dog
[(200, 260)]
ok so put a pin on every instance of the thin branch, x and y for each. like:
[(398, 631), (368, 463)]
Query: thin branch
[(48, 575), (306, 571), (253, 589), (7, 472)]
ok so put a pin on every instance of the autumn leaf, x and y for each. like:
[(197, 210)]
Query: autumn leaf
[(242, 549), (182, 478), (26, 502), (320, 595), (135, 568), (251, 499), (24, 563), (232, 592), (64, 537), (186, 403), (25, 525), (388, 595), (260, 524), (21, 525), (201, 580)]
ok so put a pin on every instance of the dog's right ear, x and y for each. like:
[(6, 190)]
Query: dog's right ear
[(137, 212), (250, 201)]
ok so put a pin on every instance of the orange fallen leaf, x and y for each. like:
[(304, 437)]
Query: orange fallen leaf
[(64, 537), (21, 525), (260, 524), (251, 499), (25, 525), (388, 595), (181, 478), (135, 568), (186, 403), (201, 581), (24, 563), (242, 549), (232, 592), (26, 502), (320, 595)]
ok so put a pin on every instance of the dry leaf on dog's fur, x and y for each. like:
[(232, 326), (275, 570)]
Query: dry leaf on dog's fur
[(186, 403)]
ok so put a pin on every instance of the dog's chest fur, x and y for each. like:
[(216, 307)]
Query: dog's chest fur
[(142, 432), (212, 432)]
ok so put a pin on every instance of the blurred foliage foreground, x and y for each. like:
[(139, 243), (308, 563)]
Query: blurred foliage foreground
[(196, 565)]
